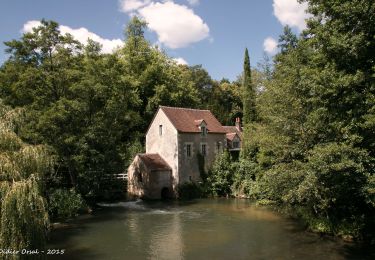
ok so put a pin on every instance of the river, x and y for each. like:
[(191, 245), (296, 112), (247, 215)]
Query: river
[(200, 229)]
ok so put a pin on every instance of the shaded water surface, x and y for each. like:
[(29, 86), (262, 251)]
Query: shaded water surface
[(202, 229)]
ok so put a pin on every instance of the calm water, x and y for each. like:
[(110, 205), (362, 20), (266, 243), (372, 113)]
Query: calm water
[(203, 229)]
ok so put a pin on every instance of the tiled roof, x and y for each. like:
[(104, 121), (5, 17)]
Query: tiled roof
[(154, 161), (186, 119), (232, 129), (230, 136), (198, 122)]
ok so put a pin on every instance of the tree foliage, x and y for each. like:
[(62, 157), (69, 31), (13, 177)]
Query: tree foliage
[(92, 108), (64, 204), (248, 92), (314, 140), (23, 214), (219, 178), (309, 139)]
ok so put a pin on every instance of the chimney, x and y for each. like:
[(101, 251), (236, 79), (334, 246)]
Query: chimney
[(238, 124)]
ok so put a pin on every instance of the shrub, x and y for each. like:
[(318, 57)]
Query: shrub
[(335, 179), (244, 175), (330, 191), (280, 183), (64, 204), (220, 176), (189, 190)]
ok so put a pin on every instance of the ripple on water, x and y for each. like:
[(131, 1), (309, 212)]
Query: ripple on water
[(134, 205), (139, 205)]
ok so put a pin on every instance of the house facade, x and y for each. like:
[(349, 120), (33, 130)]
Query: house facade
[(234, 138), (175, 139)]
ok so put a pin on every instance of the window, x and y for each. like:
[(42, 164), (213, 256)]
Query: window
[(203, 130), (190, 179), (203, 149), (218, 146), (236, 144), (188, 150), (160, 130)]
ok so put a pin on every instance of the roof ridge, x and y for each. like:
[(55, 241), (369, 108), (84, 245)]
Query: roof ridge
[(185, 108)]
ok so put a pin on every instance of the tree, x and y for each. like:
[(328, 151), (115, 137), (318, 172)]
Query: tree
[(220, 176), (157, 79), (248, 98), (23, 214), (315, 135), (92, 108), (288, 40), (346, 41), (77, 100), (39, 59), (225, 101)]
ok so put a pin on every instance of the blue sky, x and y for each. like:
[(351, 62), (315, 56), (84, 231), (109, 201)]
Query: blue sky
[(213, 33)]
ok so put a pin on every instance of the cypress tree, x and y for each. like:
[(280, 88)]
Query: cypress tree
[(248, 93)]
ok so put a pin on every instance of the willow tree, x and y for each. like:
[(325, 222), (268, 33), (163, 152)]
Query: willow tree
[(23, 214)]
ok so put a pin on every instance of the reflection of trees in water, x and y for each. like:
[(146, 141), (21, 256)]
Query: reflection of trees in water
[(132, 222), (166, 240), (157, 232)]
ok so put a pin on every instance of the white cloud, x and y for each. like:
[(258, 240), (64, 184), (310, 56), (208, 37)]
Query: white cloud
[(132, 5), (29, 25), (193, 2), (180, 61), (176, 25), (270, 45), (290, 12), (82, 35)]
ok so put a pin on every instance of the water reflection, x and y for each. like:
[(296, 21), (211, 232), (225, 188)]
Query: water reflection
[(204, 229), (167, 235)]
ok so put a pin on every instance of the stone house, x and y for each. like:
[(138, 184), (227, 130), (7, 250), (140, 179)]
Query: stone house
[(234, 138), (175, 139), (150, 177)]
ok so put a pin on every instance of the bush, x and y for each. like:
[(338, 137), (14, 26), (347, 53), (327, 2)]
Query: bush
[(189, 190), (244, 176), (280, 183), (65, 204), (330, 191), (220, 176), (335, 179)]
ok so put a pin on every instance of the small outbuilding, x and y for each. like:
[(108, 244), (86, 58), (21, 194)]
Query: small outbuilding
[(150, 177)]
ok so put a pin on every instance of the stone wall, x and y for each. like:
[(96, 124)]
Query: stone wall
[(165, 145), (136, 168), (188, 166), (156, 182), (146, 183)]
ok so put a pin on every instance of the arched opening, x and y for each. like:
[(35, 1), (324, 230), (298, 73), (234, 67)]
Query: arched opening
[(165, 193)]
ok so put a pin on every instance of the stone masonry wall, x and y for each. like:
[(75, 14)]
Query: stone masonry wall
[(165, 145), (188, 166)]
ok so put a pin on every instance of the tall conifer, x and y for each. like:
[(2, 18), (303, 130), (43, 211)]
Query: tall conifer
[(248, 92)]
